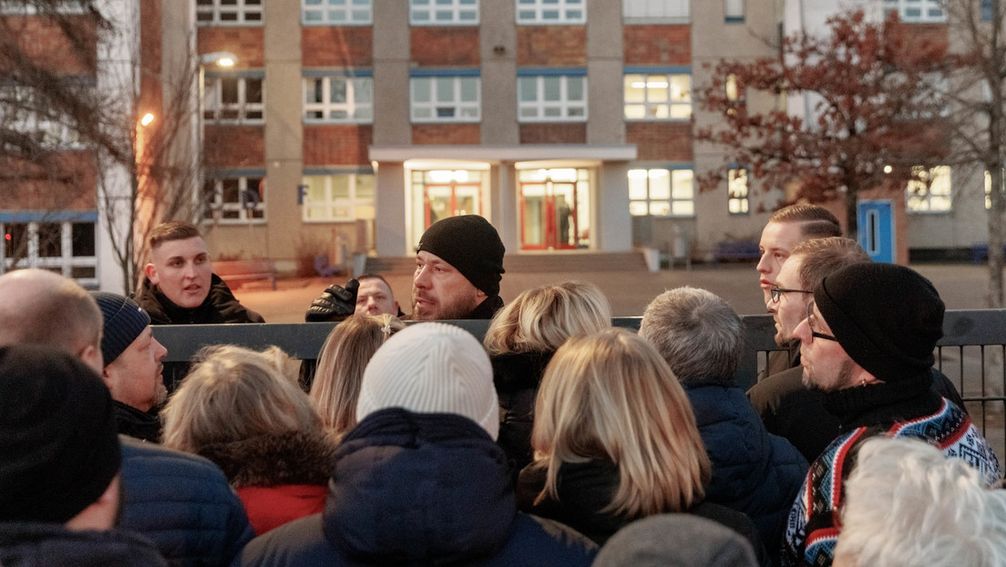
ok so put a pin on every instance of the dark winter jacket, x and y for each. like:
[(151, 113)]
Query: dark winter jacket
[(753, 471), (516, 377), (220, 306), (35, 545), (182, 503), (585, 489), (419, 489), (145, 426), (288, 473)]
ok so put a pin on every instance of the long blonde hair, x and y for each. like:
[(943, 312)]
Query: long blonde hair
[(232, 394), (341, 363), (542, 318), (610, 395)]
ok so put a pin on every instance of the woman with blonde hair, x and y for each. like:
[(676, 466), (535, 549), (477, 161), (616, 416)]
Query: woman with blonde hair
[(615, 440), (237, 409), (522, 338), (341, 362)]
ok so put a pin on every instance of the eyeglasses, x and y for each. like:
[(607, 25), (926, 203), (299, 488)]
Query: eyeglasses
[(775, 292), (811, 319)]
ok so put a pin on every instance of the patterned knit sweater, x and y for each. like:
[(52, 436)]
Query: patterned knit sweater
[(897, 409)]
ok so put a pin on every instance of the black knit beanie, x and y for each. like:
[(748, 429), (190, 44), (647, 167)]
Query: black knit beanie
[(886, 317), (59, 448), (471, 245), (123, 321)]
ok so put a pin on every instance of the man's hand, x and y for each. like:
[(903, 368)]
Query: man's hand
[(334, 304)]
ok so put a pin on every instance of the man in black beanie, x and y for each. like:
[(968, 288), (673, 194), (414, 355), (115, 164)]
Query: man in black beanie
[(459, 265), (868, 342)]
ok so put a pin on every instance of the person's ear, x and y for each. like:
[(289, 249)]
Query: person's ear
[(151, 272), (91, 356)]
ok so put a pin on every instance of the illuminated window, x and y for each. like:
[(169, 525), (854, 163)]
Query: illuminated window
[(658, 97), (338, 197), (930, 193), (661, 192), (737, 191)]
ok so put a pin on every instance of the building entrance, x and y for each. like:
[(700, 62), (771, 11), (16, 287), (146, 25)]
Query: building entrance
[(554, 209)]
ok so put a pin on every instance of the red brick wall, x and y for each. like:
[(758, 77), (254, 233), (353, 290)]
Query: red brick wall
[(550, 46), (43, 42), (657, 44), (247, 43), (445, 134), (61, 181), (436, 46), (661, 140), (553, 133), (234, 146), (349, 46), (336, 144)]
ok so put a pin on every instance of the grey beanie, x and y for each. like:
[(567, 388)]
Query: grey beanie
[(123, 321), (676, 540)]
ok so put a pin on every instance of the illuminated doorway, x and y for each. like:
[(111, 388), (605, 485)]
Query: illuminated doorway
[(554, 208), (441, 193)]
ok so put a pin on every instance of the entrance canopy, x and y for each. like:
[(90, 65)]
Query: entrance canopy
[(492, 154)]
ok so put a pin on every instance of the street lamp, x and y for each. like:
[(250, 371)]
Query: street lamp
[(223, 60)]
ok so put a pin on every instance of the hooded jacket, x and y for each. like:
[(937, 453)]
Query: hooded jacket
[(419, 489), (220, 306)]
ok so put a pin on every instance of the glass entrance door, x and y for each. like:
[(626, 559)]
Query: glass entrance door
[(554, 209), (442, 201)]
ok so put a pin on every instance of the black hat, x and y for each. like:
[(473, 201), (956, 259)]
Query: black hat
[(58, 438), (123, 321), (471, 245), (886, 317)]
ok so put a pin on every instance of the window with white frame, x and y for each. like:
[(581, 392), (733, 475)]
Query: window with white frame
[(733, 11), (338, 98), (445, 99), (233, 100), (67, 247), (443, 12), (233, 12), (738, 202), (661, 192), (650, 10), (552, 98), (338, 197), (234, 199), (930, 193), (551, 11), (337, 12), (917, 10), (22, 111), (658, 96)]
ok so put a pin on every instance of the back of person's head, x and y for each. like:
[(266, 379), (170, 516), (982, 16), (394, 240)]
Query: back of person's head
[(824, 256), (172, 230), (341, 362), (697, 332), (232, 394), (676, 540), (431, 368), (542, 318), (611, 396), (815, 221), (40, 307), (58, 437), (907, 504)]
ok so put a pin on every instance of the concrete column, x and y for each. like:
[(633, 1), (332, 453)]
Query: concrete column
[(504, 199), (391, 205), (498, 52), (614, 225), (391, 75), (604, 73)]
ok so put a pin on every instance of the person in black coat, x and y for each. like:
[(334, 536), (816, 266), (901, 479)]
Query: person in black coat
[(521, 340), (616, 441)]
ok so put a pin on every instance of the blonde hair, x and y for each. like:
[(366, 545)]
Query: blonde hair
[(610, 395), (341, 363), (231, 394), (541, 319)]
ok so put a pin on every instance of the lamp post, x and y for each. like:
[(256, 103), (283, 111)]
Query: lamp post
[(223, 60)]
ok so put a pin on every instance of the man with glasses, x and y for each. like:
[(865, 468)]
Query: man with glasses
[(867, 342)]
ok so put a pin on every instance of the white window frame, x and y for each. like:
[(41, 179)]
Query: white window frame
[(674, 203), (28, 116), (540, 12), (427, 12), (243, 112), (463, 111), (658, 86), (332, 205), (21, 8), (932, 193), (358, 109), (350, 13), (569, 110), (665, 11), (65, 262), (738, 191), (733, 11), (926, 9), (215, 207), (246, 13)]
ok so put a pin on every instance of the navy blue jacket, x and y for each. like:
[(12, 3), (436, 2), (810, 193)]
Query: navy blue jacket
[(183, 504), (35, 544), (754, 471), (419, 489)]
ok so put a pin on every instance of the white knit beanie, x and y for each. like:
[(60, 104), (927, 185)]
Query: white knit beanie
[(431, 368)]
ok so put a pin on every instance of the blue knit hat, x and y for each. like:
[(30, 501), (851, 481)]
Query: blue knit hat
[(124, 320)]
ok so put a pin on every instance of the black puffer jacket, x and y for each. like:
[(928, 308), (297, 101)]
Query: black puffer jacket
[(33, 545), (220, 306), (516, 377)]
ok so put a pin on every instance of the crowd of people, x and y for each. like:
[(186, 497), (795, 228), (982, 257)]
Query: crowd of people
[(557, 440)]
